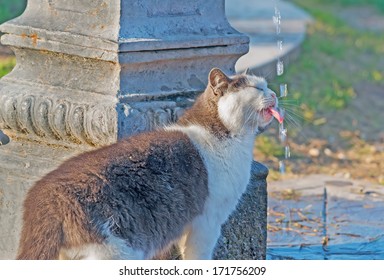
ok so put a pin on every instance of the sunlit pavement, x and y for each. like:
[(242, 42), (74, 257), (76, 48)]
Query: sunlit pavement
[(325, 217)]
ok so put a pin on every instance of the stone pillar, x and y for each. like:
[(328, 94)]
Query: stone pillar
[(93, 71)]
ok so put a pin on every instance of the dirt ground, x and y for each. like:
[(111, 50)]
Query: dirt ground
[(350, 143)]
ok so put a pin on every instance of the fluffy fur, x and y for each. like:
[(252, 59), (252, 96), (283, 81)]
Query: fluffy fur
[(136, 198)]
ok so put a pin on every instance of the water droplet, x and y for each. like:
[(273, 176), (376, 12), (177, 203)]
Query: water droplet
[(278, 29), (287, 152), (282, 130), (280, 67), (283, 90), (280, 45), (277, 20), (277, 16)]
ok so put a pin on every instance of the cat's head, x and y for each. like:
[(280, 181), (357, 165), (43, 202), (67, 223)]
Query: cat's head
[(245, 103)]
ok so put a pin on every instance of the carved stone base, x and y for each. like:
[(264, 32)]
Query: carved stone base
[(46, 114)]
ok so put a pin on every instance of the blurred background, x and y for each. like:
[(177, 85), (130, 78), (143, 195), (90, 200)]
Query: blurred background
[(336, 93), (9, 10)]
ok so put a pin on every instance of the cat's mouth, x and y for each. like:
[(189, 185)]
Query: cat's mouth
[(275, 112), (272, 112)]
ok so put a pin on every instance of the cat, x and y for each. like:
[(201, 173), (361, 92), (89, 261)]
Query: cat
[(174, 186)]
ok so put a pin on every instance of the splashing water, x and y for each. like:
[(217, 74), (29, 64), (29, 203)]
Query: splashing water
[(283, 89), (280, 67), (282, 133), (277, 21), (280, 45), (287, 152)]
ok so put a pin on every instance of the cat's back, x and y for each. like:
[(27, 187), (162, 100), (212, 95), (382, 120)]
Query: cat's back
[(146, 154), (162, 162), (152, 182)]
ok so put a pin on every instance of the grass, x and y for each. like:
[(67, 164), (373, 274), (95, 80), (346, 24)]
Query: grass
[(335, 58), (269, 146), (378, 4), (6, 65), (10, 9), (323, 78)]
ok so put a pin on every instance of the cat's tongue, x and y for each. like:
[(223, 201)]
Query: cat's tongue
[(276, 115)]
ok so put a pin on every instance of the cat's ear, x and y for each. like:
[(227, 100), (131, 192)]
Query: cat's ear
[(218, 81)]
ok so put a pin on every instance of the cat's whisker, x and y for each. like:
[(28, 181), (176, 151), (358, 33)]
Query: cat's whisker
[(290, 104), (268, 75), (294, 113), (298, 127), (293, 122), (293, 118), (291, 107), (250, 113)]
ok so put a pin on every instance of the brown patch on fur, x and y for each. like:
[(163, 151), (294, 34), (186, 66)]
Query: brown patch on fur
[(205, 113), (67, 207), (205, 110), (53, 219)]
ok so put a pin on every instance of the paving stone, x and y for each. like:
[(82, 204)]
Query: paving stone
[(325, 217)]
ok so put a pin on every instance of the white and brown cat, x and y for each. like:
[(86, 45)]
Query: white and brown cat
[(136, 198)]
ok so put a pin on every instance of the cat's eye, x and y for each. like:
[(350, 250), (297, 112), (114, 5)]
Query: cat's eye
[(256, 87)]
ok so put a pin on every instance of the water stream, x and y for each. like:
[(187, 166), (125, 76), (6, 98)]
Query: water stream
[(283, 87)]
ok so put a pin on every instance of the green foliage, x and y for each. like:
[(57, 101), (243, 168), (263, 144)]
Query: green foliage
[(268, 146), (335, 58), (11, 8), (6, 65), (378, 4)]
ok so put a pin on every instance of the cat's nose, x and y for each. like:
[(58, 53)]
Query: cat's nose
[(273, 94)]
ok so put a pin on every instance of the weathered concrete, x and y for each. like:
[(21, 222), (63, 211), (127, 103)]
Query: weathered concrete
[(91, 72)]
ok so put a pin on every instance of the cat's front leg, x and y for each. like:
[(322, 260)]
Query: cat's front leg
[(202, 239), (182, 243)]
